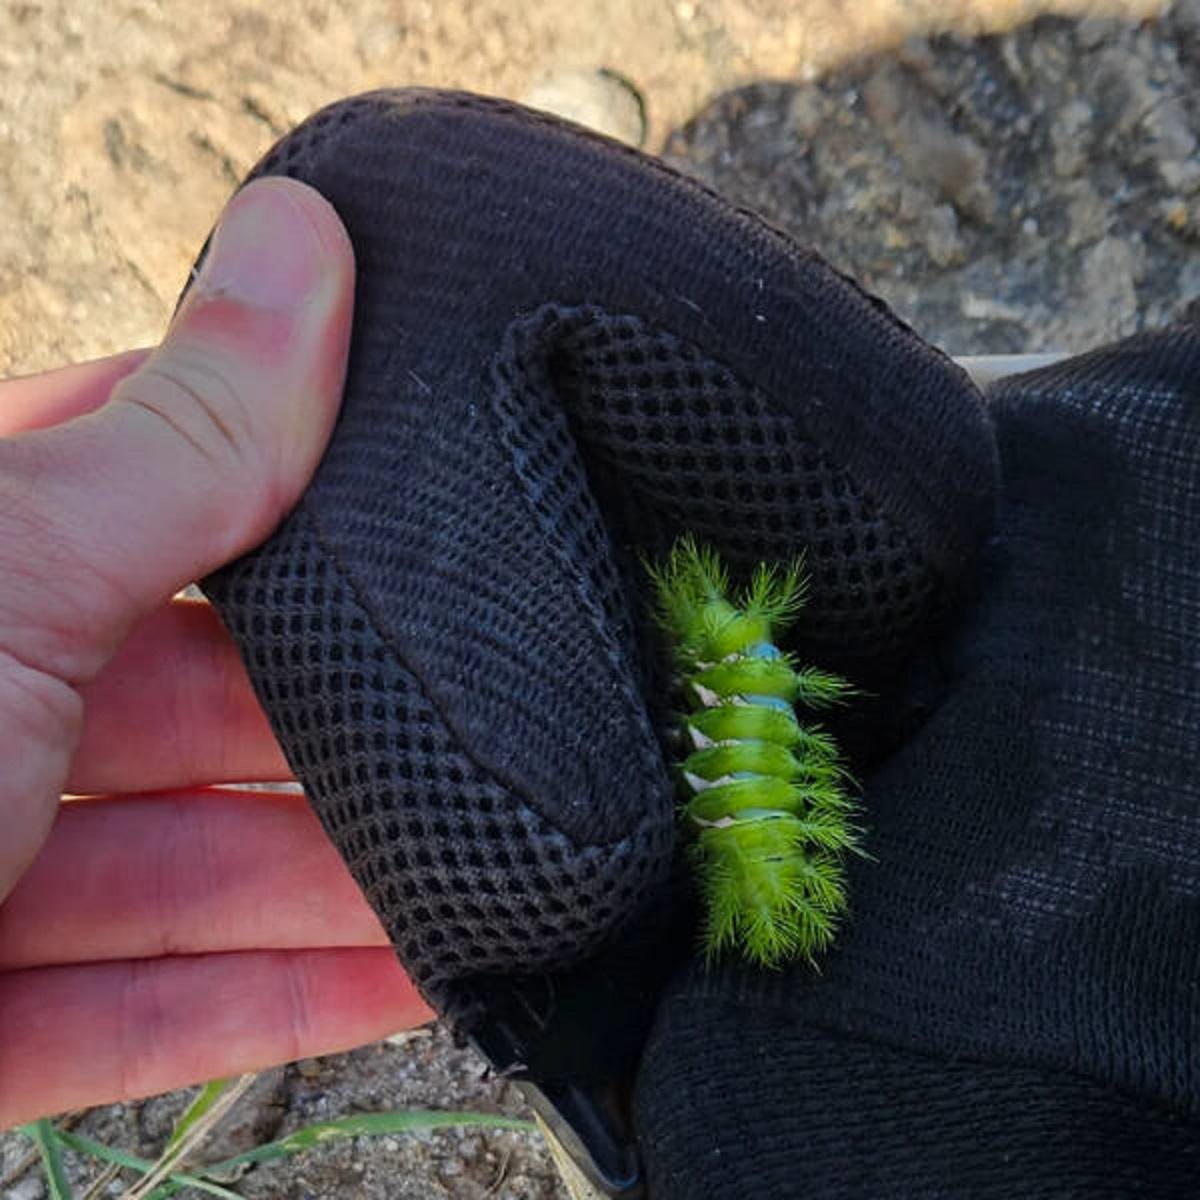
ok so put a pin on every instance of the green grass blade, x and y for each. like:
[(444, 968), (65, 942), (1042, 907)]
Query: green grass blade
[(85, 1145), (208, 1095), (210, 1108), (359, 1125), (46, 1138), (367, 1124)]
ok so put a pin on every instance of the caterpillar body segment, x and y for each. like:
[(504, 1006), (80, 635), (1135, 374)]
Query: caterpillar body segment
[(764, 795)]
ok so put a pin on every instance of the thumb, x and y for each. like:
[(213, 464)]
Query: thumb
[(199, 453), (195, 458)]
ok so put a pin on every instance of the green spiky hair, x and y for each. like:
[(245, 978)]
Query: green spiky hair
[(692, 588)]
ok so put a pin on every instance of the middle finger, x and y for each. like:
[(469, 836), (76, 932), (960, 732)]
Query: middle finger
[(187, 873)]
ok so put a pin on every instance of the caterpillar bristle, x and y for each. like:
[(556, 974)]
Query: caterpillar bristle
[(777, 595), (765, 796), (820, 689), (690, 576)]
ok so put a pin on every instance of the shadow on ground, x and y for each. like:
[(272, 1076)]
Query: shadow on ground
[(1034, 191)]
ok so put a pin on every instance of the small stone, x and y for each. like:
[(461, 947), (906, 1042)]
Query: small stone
[(1088, 215), (943, 241), (1107, 298), (806, 112), (31, 1187), (379, 40), (309, 1068), (1188, 283), (407, 1036), (1167, 125), (1180, 176), (1094, 31), (601, 99), (917, 54), (1067, 134), (1187, 13)]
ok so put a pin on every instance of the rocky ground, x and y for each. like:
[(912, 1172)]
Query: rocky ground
[(1033, 189)]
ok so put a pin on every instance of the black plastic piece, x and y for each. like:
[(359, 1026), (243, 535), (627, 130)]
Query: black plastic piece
[(573, 1041)]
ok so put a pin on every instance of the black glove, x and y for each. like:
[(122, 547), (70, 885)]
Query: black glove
[(1015, 1009), (565, 356)]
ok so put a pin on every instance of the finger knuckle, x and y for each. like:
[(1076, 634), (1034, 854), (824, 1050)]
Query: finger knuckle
[(201, 404)]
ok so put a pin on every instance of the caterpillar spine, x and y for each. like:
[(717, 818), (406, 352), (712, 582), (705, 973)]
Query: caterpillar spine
[(764, 796)]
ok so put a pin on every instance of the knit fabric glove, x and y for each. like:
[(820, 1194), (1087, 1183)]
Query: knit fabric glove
[(564, 357), (1015, 1008)]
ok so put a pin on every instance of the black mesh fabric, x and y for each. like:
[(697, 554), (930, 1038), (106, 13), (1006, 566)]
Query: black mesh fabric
[(1014, 1008), (564, 356), (674, 440), (467, 877)]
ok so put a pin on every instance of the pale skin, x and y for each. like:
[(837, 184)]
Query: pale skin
[(158, 932)]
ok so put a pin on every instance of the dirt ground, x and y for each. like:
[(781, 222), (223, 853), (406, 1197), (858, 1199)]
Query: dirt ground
[(124, 125), (1033, 190)]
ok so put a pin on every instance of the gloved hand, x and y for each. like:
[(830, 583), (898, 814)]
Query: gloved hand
[(1015, 1008), (565, 356)]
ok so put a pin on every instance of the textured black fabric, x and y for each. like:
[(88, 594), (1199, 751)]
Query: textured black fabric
[(1015, 1007), (674, 441), (563, 356)]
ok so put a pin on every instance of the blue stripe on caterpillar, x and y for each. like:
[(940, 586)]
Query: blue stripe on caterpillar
[(765, 800)]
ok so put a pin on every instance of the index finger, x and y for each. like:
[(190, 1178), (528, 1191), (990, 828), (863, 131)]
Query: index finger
[(51, 397)]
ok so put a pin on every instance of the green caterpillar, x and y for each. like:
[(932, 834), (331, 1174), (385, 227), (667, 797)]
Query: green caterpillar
[(764, 795)]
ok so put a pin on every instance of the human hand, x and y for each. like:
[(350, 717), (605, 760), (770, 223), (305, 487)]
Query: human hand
[(158, 933)]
